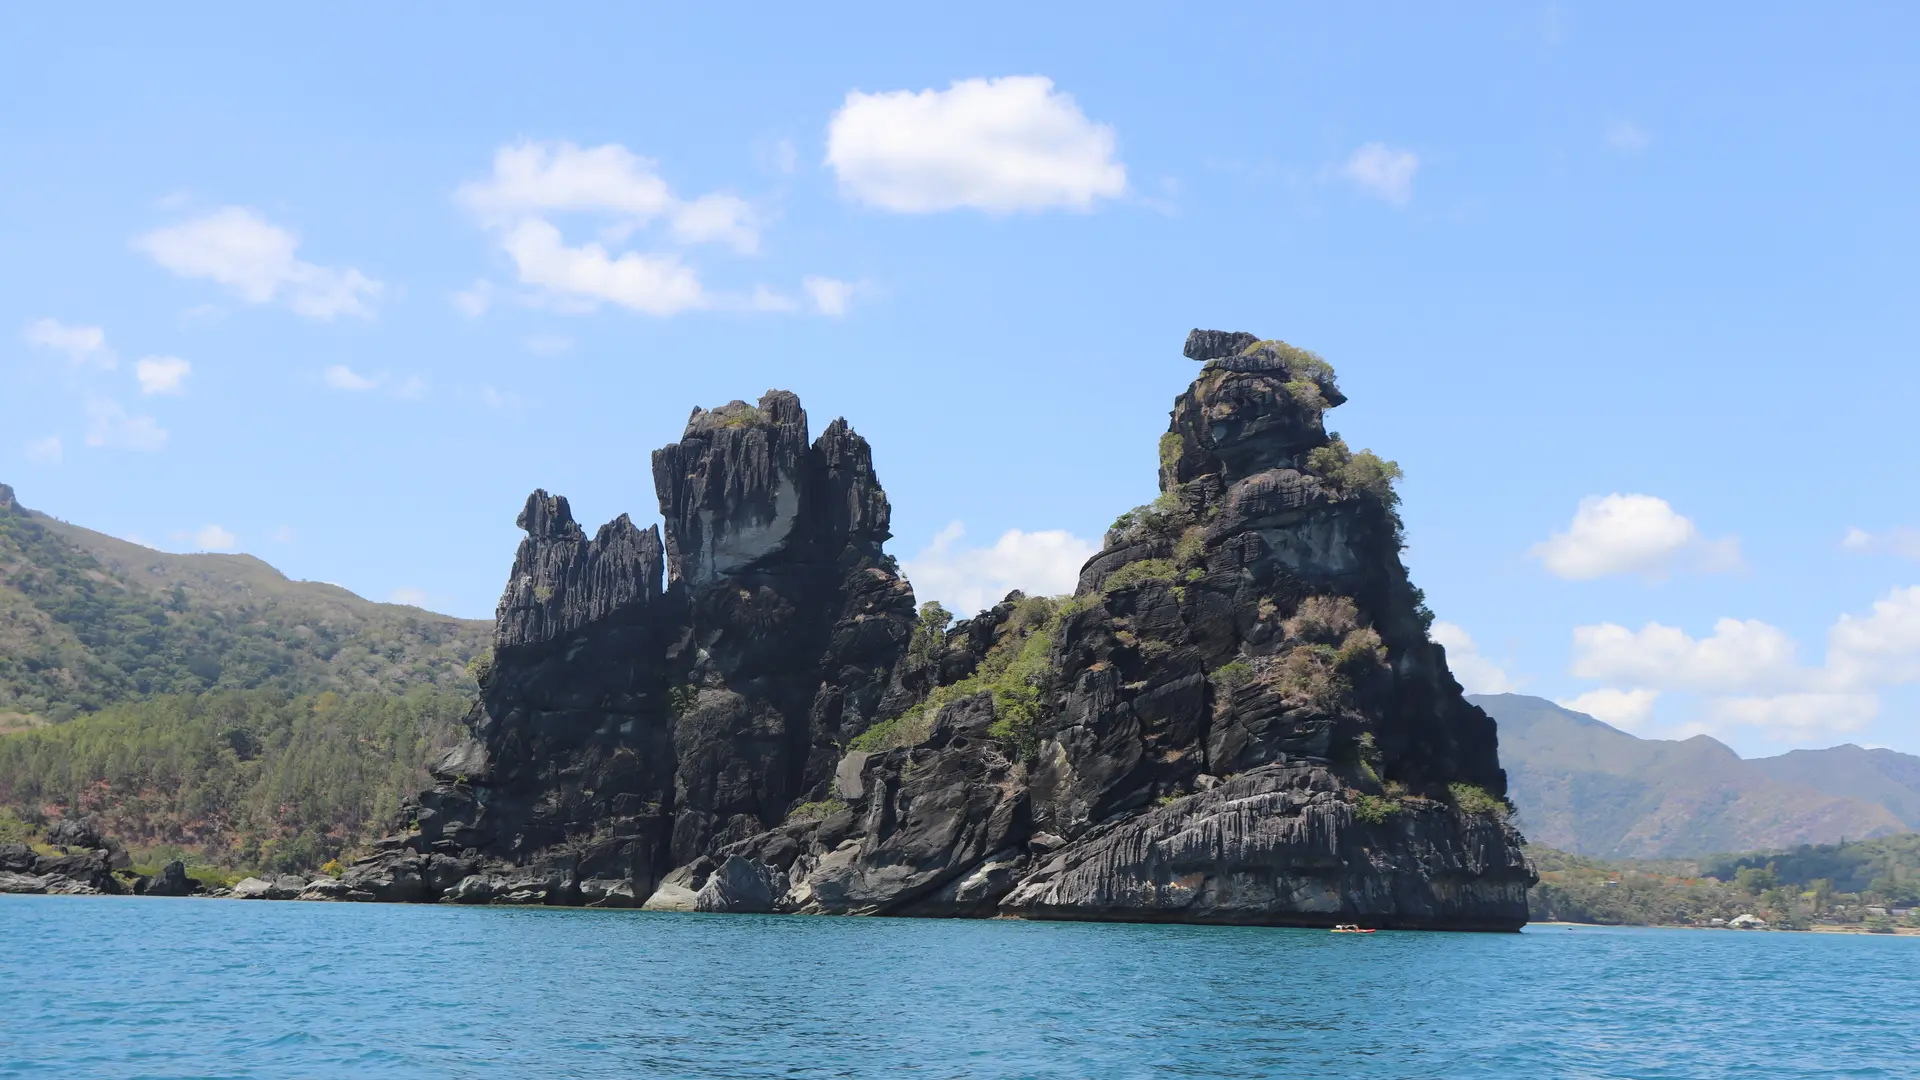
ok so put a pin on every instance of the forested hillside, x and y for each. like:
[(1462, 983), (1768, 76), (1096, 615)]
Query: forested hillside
[(1869, 884), (87, 620), (1887, 868), (255, 779)]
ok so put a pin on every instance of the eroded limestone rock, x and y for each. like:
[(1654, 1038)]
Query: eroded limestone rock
[(1238, 717)]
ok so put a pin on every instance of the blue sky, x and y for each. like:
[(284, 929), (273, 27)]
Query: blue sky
[(1627, 291)]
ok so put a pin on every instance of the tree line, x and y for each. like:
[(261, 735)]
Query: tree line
[(259, 779)]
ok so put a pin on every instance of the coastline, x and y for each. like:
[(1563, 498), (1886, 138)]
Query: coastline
[(1898, 931)]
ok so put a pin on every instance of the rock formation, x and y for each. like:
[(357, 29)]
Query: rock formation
[(78, 861), (1238, 717), (171, 881), (625, 729)]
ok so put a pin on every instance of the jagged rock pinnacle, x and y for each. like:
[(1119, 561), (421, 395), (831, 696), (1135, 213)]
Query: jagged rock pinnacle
[(1213, 344)]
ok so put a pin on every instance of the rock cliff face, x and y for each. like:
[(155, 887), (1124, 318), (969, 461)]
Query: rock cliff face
[(1238, 717)]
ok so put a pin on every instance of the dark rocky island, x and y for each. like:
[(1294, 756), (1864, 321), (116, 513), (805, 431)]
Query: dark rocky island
[(1237, 717)]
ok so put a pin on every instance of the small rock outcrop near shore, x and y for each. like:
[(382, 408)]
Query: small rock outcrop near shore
[(1238, 717), (172, 880), (75, 861)]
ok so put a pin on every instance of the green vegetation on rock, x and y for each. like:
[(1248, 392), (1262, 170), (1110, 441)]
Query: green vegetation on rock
[(910, 728), (1472, 799), (929, 631), (1306, 394), (1136, 572), (739, 415), (1233, 675), (1016, 671), (1374, 809), (1163, 516), (1360, 649), (1351, 472), (1310, 675), (1170, 445), (1301, 363), (815, 811), (1191, 549), (481, 666)]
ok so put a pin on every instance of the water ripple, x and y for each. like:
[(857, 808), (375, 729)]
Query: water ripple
[(117, 987)]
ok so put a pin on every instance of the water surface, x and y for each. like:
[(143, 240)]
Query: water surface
[(124, 987)]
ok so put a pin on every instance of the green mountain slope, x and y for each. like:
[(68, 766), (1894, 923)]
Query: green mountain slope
[(1886, 777), (250, 779), (1585, 787), (87, 620)]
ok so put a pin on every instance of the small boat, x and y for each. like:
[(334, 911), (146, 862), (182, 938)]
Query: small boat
[(1351, 928)]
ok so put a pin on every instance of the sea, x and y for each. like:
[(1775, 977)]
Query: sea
[(126, 987)]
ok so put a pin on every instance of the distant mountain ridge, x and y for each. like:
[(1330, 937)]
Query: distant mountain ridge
[(87, 620), (1584, 786)]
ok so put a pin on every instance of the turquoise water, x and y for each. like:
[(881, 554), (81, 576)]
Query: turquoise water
[(117, 987)]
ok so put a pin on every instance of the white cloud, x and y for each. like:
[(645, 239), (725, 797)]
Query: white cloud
[(255, 260), (1753, 671), (1624, 709), (1740, 656), (83, 346), (713, 219), (1476, 673), (1879, 648), (765, 299), (1798, 716), (534, 179), (968, 580), (1750, 657), (474, 302), (657, 284), (47, 451), (161, 374), (282, 535), (213, 538), (409, 596), (535, 188), (1625, 534), (1627, 138), (1383, 172), (830, 295), (110, 426), (342, 377), (999, 145), (1903, 541)]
